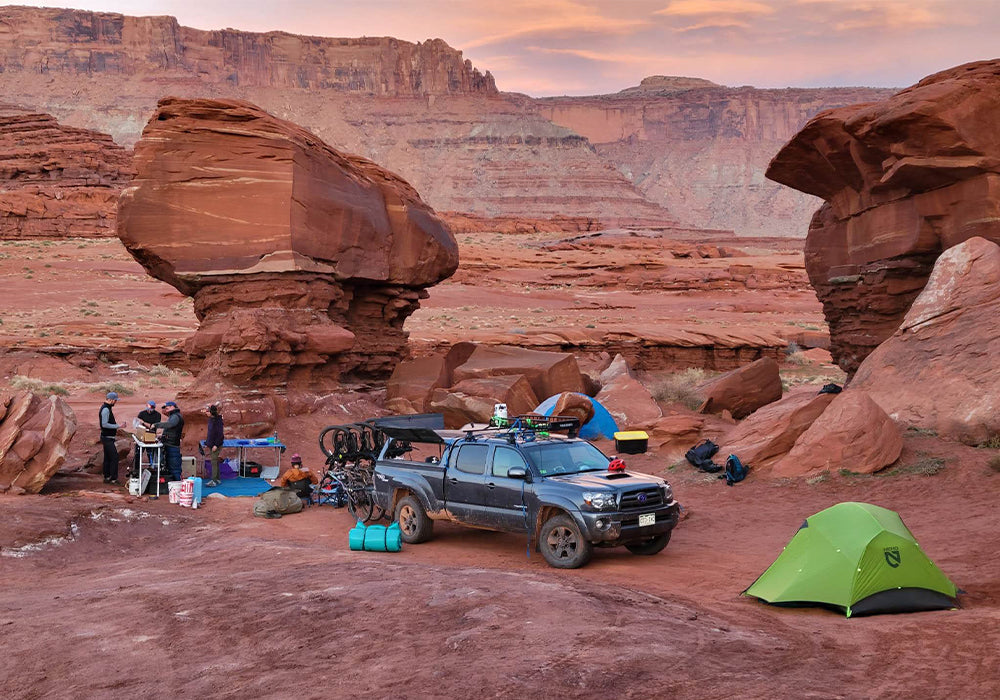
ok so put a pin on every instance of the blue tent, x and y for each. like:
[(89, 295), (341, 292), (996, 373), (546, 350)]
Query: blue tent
[(602, 425)]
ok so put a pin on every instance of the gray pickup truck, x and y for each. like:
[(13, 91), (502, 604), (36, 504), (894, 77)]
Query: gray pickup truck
[(557, 490)]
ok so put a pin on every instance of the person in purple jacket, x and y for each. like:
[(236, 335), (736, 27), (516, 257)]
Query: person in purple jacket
[(214, 440)]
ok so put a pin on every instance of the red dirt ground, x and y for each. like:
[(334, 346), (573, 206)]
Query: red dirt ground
[(132, 598)]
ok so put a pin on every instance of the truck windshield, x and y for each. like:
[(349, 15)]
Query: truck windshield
[(570, 457)]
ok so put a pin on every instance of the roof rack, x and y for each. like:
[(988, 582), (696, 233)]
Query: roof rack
[(529, 425)]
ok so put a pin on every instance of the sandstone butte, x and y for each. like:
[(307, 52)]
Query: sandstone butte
[(303, 262), (57, 180), (904, 179), (658, 154)]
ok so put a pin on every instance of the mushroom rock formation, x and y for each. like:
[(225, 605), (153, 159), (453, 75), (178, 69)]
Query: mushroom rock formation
[(903, 180), (303, 262), (939, 370), (34, 437)]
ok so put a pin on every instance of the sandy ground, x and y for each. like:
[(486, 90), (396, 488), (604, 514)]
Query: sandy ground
[(111, 597)]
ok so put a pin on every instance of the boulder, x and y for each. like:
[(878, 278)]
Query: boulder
[(769, 433), (34, 438), (414, 380), (629, 402), (673, 435), (853, 433), (473, 400), (575, 406), (939, 371), (548, 372), (303, 262), (904, 179), (743, 390)]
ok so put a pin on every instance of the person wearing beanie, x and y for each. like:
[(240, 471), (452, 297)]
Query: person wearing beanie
[(298, 478), (109, 430)]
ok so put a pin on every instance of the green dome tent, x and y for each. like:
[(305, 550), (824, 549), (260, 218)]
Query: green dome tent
[(858, 558)]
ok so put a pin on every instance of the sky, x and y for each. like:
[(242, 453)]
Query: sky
[(588, 47)]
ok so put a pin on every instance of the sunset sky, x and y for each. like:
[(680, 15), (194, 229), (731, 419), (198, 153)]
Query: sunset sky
[(574, 47)]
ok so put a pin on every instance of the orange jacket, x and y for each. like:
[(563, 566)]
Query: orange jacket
[(296, 474)]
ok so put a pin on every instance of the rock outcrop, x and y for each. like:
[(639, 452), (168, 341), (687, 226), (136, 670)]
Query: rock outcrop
[(903, 180), (939, 370), (34, 437), (303, 262), (57, 180), (743, 390)]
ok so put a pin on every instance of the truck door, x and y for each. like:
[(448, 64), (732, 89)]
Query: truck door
[(505, 496), (464, 483)]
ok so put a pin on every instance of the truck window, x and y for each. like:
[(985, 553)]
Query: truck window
[(472, 459), (569, 457), (504, 458)]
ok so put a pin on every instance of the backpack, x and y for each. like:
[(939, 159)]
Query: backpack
[(700, 456), (831, 389), (735, 470)]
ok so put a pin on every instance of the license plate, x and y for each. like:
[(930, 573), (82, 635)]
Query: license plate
[(647, 519)]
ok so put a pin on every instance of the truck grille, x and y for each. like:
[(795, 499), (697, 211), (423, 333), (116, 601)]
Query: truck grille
[(643, 498)]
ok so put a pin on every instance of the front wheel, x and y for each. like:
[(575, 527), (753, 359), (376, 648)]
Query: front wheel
[(414, 524), (653, 545), (563, 544)]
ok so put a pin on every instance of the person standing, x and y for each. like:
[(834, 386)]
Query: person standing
[(173, 430), (149, 414), (214, 440), (109, 429)]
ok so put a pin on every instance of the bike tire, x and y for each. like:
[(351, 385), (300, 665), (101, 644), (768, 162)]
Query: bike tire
[(359, 505)]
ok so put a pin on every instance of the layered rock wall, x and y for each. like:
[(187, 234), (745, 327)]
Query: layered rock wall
[(57, 180), (903, 180)]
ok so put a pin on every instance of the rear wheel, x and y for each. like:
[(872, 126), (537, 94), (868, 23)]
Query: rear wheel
[(653, 545), (360, 505), (414, 524), (563, 544)]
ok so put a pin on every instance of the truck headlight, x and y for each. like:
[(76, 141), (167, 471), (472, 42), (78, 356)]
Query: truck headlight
[(668, 494), (600, 500)]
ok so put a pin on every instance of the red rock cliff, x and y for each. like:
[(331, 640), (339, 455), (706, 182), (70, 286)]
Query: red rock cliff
[(903, 180), (700, 149), (57, 180)]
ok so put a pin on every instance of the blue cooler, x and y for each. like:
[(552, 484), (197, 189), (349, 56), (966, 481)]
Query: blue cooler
[(197, 490)]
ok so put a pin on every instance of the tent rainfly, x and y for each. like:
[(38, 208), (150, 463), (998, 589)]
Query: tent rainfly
[(602, 425), (857, 558)]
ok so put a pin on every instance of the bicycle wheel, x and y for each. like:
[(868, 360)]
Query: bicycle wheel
[(359, 504)]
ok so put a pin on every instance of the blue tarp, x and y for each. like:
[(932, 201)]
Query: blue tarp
[(602, 425)]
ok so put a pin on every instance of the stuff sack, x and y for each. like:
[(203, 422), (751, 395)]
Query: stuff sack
[(277, 500), (700, 456), (831, 389), (735, 470)]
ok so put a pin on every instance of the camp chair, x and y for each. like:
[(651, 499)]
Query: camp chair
[(330, 491)]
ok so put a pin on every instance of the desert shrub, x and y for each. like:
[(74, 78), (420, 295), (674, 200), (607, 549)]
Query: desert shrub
[(117, 387), (994, 463), (38, 386), (680, 388), (925, 465), (991, 443), (792, 348)]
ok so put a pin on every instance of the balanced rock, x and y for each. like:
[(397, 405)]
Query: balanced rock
[(743, 390), (34, 438), (303, 262), (939, 371), (904, 179), (853, 433)]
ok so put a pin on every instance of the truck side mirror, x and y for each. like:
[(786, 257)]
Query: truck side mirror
[(518, 473)]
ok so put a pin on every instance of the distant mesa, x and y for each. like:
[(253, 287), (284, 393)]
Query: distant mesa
[(666, 83), (303, 261), (904, 179)]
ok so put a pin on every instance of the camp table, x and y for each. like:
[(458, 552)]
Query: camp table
[(244, 446), (149, 449)]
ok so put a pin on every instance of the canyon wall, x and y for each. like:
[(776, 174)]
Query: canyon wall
[(701, 149)]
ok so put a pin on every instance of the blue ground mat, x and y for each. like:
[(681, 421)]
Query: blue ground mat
[(240, 486)]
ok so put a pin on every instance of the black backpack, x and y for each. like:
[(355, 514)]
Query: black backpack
[(735, 470), (700, 456)]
